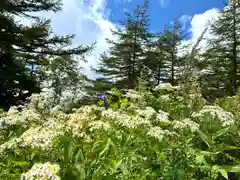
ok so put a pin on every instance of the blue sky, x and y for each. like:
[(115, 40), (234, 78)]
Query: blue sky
[(92, 20), (162, 11)]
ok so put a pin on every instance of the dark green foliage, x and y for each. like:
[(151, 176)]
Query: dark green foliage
[(163, 60), (23, 47), (127, 55), (221, 76)]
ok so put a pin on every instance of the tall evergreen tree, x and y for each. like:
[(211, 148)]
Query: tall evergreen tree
[(164, 62), (23, 47), (172, 38), (222, 56), (125, 61)]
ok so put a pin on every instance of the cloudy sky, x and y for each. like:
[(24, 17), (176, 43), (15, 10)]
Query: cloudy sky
[(91, 20)]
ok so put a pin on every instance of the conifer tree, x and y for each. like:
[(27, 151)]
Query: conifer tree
[(172, 38), (164, 62), (125, 61), (222, 56), (23, 47)]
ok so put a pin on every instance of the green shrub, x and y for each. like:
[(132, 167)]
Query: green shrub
[(166, 134)]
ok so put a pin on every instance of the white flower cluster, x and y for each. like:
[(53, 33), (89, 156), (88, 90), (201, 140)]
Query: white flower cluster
[(111, 114), (83, 118), (9, 145), (39, 102), (96, 125), (36, 137), (125, 120), (133, 108), (165, 97), (46, 171), (159, 133), (162, 117), (166, 87), (148, 113), (226, 118), (185, 123), (133, 95), (89, 110), (78, 121), (134, 122), (41, 137), (23, 117)]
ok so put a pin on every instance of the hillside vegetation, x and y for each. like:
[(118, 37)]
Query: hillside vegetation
[(163, 134)]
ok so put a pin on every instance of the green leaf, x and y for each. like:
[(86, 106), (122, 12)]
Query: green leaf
[(79, 156), (221, 170), (200, 159), (235, 169), (17, 151), (223, 173), (81, 170), (106, 148), (204, 138), (109, 177), (220, 133), (116, 164), (224, 147), (70, 150), (21, 163)]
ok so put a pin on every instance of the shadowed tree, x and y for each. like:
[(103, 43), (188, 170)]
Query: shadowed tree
[(23, 47)]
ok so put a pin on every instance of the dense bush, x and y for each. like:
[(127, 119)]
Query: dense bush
[(164, 134)]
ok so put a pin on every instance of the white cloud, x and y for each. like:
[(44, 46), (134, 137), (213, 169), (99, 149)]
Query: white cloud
[(88, 20), (198, 23), (164, 3), (201, 21), (123, 1), (184, 20)]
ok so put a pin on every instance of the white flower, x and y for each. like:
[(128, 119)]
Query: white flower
[(185, 123), (148, 113), (159, 133), (27, 115), (226, 118), (46, 171), (135, 121), (95, 125), (132, 94), (41, 136), (9, 145), (38, 101), (165, 97), (133, 108), (162, 117), (166, 87)]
